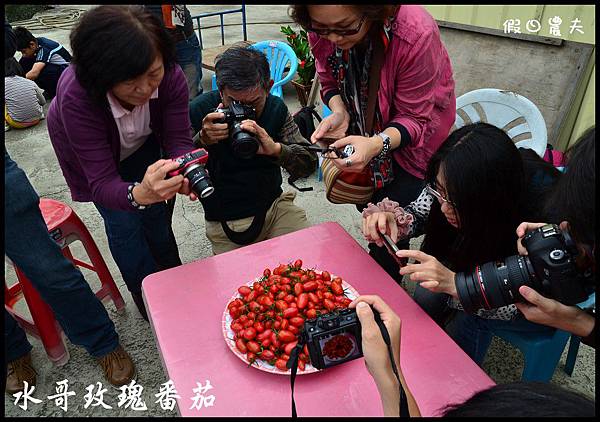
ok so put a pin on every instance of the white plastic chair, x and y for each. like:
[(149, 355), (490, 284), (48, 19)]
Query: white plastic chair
[(513, 113)]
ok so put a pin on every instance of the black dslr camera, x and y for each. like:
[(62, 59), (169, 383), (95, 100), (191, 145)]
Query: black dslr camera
[(244, 144), (334, 338), (549, 269)]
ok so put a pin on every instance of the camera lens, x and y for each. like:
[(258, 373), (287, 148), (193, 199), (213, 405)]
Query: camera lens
[(243, 143), (199, 181), (494, 284)]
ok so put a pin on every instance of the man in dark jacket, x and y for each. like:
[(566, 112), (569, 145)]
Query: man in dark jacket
[(248, 204)]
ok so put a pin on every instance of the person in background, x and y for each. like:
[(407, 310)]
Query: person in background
[(415, 106), (119, 119), (23, 99), (177, 20), (574, 201), (248, 204), (43, 61), (62, 286)]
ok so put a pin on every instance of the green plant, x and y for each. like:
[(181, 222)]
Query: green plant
[(306, 61), (21, 12)]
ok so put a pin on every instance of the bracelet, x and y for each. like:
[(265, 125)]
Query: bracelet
[(386, 145), (131, 200)]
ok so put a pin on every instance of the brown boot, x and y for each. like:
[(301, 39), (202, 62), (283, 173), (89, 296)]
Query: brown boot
[(118, 367), (17, 371)]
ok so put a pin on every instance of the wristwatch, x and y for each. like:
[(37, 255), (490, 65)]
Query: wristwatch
[(386, 144), (131, 200)]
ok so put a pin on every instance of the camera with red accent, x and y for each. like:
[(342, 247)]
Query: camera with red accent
[(191, 166)]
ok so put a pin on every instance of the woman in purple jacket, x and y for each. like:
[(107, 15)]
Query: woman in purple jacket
[(415, 106), (121, 107)]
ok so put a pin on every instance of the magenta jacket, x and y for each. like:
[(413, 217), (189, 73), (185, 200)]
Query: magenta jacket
[(416, 89), (87, 143)]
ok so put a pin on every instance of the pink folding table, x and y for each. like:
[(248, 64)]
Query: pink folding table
[(186, 304)]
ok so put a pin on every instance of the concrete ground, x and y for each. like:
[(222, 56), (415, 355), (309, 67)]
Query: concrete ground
[(32, 151)]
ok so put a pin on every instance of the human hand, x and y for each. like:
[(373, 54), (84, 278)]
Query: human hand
[(154, 187), (186, 190), (373, 346), (333, 126), (267, 145), (545, 311), (364, 150), (212, 131), (380, 222), (522, 230), (430, 272)]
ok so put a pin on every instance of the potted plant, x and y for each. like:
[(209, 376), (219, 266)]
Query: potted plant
[(306, 62)]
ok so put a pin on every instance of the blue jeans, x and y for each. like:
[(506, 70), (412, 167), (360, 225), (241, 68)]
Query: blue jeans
[(474, 334), (189, 57), (141, 242), (60, 284)]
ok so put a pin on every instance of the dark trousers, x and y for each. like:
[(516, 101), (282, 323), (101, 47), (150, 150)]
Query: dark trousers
[(404, 189), (48, 77), (140, 241), (62, 286)]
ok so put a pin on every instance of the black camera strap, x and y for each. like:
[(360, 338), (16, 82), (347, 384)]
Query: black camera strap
[(292, 364)]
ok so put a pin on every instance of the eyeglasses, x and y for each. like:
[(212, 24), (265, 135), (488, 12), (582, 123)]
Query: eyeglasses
[(438, 195), (342, 32)]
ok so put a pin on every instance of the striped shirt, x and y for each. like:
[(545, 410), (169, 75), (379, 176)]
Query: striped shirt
[(23, 99)]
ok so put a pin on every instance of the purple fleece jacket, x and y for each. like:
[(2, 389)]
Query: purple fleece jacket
[(87, 143)]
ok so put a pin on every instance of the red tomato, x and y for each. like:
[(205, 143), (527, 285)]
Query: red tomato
[(244, 290), (253, 347), (276, 325), (250, 333), (286, 336), (248, 323), (290, 312), (281, 305), (281, 364), (311, 275), (236, 326), (289, 298), (302, 301), (326, 276), (298, 289), (313, 298), (298, 263), (243, 319), (267, 301), (281, 296), (297, 321), (320, 294), (259, 327), (304, 278), (337, 289), (289, 347), (311, 305), (293, 329), (267, 272), (284, 324), (328, 295), (329, 304), (251, 357), (311, 313), (267, 355), (301, 365), (309, 286), (241, 346), (265, 343), (269, 324), (251, 315)]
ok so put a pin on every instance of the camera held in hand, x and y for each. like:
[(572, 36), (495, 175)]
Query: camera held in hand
[(191, 165), (549, 268), (333, 338), (244, 144)]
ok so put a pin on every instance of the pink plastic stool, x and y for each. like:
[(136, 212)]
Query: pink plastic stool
[(64, 227)]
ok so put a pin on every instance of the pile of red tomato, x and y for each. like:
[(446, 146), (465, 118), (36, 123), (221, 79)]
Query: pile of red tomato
[(269, 315)]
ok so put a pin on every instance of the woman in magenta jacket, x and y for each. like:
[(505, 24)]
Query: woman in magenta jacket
[(415, 106), (120, 108)]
